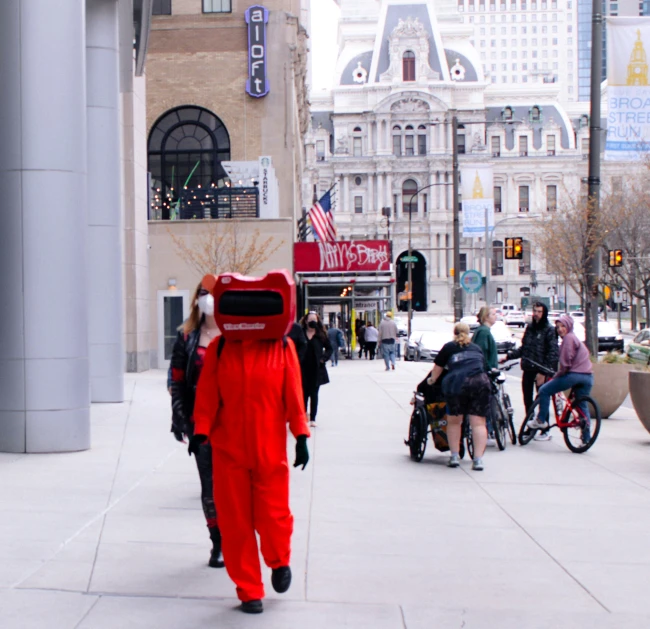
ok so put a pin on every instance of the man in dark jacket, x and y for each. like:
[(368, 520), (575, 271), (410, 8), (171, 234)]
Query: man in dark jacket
[(540, 345)]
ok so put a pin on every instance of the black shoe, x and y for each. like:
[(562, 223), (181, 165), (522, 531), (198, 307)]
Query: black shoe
[(252, 607), (281, 579), (215, 556)]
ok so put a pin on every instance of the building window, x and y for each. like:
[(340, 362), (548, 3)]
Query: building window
[(408, 66), (524, 205), (551, 198), (497, 199), (496, 146), (397, 141), (357, 146), (523, 145), (320, 150), (497, 257), (463, 262), (422, 141), (358, 205), (535, 114), (185, 149), (162, 7), (585, 145), (508, 113), (550, 145), (409, 201), (358, 181), (409, 145), (217, 6), (425, 203), (461, 143)]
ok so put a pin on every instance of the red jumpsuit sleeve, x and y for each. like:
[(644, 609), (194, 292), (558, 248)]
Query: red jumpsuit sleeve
[(207, 401), (294, 403)]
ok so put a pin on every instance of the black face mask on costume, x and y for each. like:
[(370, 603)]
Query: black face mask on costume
[(313, 324)]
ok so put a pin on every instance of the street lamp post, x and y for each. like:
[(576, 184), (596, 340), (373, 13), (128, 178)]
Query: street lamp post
[(458, 296)]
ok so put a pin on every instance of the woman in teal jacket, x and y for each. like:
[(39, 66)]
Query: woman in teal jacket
[(483, 336)]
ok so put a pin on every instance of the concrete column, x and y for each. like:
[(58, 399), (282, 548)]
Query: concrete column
[(380, 191), (44, 382), (371, 193), (389, 192), (105, 313), (346, 193)]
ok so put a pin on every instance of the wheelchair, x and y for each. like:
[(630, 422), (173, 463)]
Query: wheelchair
[(429, 417)]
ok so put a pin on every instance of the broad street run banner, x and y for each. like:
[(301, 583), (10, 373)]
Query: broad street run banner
[(628, 89), (477, 189)]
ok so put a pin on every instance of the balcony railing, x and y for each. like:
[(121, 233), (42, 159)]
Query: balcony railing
[(209, 203)]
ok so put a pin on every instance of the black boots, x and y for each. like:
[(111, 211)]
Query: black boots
[(215, 556), (281, 579), (252, 607)]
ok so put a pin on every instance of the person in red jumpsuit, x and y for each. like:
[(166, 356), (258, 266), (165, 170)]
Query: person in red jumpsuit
[(249, 390)]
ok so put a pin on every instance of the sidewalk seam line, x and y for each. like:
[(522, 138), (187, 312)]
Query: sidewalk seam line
[(90, 609)]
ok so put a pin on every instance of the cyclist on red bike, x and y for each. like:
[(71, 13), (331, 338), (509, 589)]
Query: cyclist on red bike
[(575, 373)]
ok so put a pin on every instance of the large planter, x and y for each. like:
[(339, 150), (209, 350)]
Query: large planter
[(640, 394), (611, 386)]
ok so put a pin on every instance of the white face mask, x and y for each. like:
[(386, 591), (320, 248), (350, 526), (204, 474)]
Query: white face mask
[(206, 305)]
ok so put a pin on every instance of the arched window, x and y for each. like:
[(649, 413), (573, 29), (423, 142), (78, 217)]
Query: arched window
[(535, 114), (422, 140), (409, 188), (357, 142), (185, 151), (409, 141), (397, 140), (507, 113), (408, 66)]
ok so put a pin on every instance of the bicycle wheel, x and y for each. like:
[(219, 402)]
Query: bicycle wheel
[(525, 434), (581, 436), (500, 418), (418, 434), (467, 433), (511, 424)]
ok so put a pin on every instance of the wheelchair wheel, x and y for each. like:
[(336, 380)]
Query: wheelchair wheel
[(418, 429)]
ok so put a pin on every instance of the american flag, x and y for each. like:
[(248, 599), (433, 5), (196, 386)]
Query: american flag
[(322, 219)]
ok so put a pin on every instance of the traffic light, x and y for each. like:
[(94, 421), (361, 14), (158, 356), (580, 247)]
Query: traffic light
[(615, 257), (514, 248)]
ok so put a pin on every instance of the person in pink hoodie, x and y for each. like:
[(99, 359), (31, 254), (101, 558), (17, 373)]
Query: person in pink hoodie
[(575, 373)]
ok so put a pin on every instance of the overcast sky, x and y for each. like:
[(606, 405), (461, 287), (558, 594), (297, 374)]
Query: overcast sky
[(324, 16)]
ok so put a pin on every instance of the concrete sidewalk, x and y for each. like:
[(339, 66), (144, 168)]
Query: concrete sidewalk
[(115, 538)]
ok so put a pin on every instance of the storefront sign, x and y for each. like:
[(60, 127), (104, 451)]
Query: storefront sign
[(257, 18), (341, 256), (628, 88)]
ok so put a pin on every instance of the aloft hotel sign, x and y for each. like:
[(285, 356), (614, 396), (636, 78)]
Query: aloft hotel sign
[(257, 17)]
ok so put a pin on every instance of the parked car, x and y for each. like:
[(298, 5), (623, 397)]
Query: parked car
[(514, 317), (554, 315), (402, 327), (429, 344), (609, 337), (578, 315), (504, 337), (471, 321), (410, 347), (638, 351)]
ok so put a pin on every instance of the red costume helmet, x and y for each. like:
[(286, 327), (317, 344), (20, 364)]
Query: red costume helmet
[(253, 308)]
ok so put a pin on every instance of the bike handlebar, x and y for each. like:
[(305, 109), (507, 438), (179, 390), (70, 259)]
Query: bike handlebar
[(541, 368)]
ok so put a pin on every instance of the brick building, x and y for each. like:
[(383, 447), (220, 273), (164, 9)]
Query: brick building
[(217, 149)]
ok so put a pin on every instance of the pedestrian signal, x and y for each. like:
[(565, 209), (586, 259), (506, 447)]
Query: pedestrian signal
[(514, 248), (615, 257)]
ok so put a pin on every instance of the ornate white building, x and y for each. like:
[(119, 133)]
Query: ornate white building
[(383, 132)]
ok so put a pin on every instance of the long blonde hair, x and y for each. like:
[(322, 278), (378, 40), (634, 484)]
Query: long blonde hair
[(193, 322), (461, 334)]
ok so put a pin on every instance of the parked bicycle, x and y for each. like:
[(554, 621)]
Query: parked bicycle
[(580, 429), (502, 412)]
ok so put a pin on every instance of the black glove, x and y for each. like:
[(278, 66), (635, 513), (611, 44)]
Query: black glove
[(195, 442), (178, 434), (302, 452)]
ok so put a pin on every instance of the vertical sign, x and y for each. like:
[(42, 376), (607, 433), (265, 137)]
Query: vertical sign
[(477, 188), (628, 88), (257, 18)]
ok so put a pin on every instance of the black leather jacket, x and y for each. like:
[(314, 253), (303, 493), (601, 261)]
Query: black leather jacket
[(184, 380), (539, 344)]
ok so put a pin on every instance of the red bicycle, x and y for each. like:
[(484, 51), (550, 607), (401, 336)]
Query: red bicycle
[(580, 429)]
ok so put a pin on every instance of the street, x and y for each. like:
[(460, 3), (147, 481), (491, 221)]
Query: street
[(114, 537)]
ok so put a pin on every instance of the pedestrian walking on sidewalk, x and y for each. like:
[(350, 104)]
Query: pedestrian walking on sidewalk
[(314, 371), (361, 337), (372, 336), (337, 342), (483, 338), (188, 356), (466, 388), (387, 336)]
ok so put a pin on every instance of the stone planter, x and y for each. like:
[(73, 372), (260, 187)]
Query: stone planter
[(640, 394), (611, 386)]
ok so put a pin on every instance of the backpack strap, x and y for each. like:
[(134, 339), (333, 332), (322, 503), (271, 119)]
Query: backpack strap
[(220, 344)]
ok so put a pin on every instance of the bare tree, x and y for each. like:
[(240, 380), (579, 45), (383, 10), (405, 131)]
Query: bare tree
[(629, 209), (222, 248)]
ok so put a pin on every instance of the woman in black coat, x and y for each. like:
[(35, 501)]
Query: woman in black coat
[(312, 365)]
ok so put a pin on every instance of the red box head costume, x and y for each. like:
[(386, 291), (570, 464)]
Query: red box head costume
[(253, 308)]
